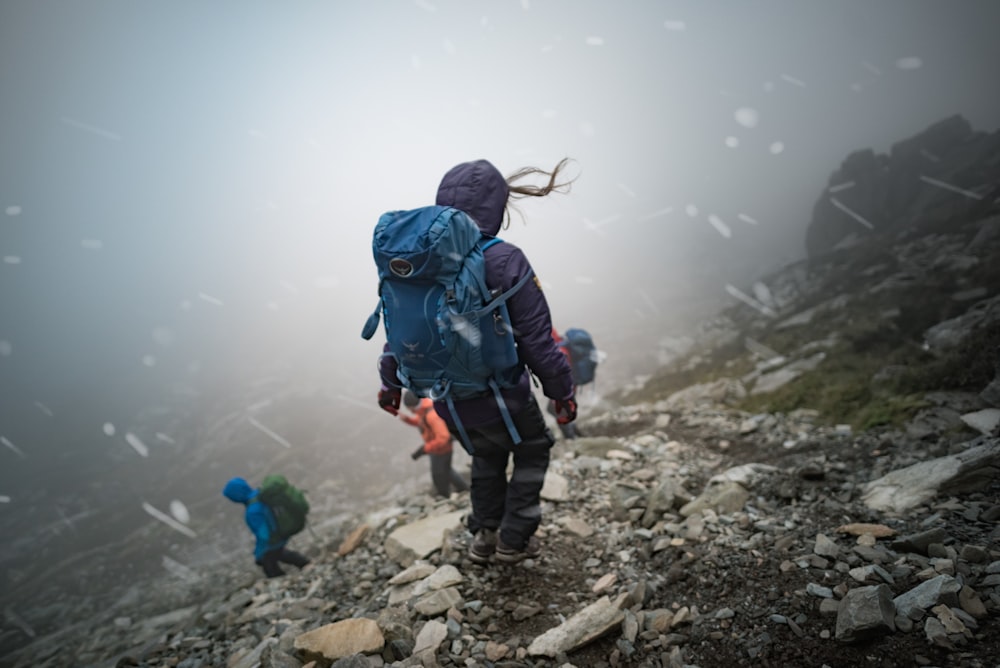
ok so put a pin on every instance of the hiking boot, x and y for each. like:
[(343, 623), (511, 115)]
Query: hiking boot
[(483, 546), (511, 555)]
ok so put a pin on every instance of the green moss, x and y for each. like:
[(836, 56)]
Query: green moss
[(841, 389)]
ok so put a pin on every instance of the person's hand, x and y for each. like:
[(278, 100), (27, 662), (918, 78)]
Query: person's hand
[(388, 400), (565, 410), (418, 453)]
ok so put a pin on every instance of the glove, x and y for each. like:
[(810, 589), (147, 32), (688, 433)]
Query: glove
[(388, 400), (418, 453), (565, 410)]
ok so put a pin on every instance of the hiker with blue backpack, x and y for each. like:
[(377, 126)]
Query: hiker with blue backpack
[(273, 523), (467, 325), (578, 347)]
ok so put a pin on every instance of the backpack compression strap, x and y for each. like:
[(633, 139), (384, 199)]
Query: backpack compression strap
[(494, 386)]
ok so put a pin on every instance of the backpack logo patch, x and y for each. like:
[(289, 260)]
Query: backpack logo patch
[(400, 267)]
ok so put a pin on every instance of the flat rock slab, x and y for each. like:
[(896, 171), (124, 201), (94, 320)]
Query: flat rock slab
[(344, 638), (597, 619), (417, 540), (907, 488)]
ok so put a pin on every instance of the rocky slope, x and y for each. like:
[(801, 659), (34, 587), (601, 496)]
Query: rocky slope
[(813, 479)]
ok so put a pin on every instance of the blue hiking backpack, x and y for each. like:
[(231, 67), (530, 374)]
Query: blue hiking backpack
[(582, 355), (450, 334)]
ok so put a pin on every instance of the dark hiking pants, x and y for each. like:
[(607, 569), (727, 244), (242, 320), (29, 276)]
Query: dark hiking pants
[(444, 477), (512, 506), (269, 562)]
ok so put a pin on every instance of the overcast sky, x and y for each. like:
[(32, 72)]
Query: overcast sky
[(185, 184)]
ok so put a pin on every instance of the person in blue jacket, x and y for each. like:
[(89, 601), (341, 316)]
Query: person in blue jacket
[(505, 512), (267, 552)]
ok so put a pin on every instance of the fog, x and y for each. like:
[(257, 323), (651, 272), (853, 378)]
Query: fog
[(188, 190)]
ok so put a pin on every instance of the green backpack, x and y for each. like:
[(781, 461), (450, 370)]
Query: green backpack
[(287, 503)]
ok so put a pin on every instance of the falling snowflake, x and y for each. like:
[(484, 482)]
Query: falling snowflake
[(11, 259), (747, 117), (100, 132), (595, 41), (840, 186), (948, 186), (180, 512), (720, 226), (163, 336), (732, 142), (10, 446), (691, 210), (92, 244), (109, 429), (13, 210), (169, 521), (909, 63), (137, 444), (676, 26), (6, 348), (853, 214), (777, 148), (148, 360), (210, 299)]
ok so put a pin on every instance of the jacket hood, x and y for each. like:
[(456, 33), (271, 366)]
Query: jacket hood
[(479, 189), (239, 490)]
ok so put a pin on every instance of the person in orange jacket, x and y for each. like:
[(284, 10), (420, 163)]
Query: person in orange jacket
[(437, 444)]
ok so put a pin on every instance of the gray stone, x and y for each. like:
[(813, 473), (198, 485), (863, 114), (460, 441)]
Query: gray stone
[(984, 421), (825, 547), (919, 542), (555, 487), (936, 633), (430, 636), (722, 497), (341, 639), (941, 589), (419, 539), (907, 488), (591, 623), (438, 602), (865, 612)]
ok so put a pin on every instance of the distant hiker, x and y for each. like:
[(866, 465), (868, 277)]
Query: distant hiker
[(437, 443), (466, 324), (263, 521), (579, 348)]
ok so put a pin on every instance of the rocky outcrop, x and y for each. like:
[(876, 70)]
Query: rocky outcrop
[(930, 176)]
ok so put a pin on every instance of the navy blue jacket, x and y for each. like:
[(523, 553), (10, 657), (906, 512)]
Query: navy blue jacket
[(479, 189)]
